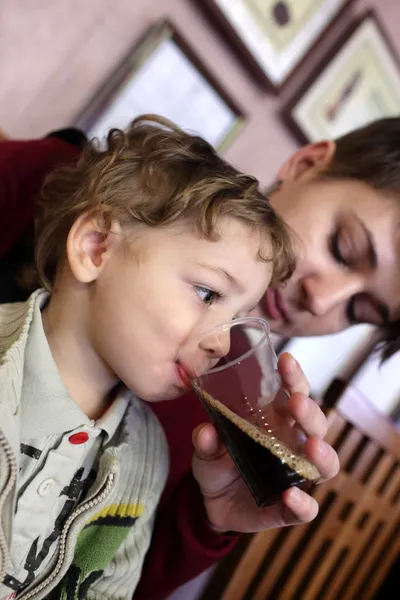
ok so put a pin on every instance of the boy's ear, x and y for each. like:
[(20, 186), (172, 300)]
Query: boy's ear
[(307, 161), (89, 246)]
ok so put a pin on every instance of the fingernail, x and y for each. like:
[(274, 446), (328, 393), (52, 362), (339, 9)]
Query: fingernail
[(295, 363), (323, 448), (295, 496), (289, 356)]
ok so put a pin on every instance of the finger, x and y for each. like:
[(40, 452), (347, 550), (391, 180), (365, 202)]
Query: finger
[(206, 442), (323, 456), (292, 375), (281, 409), (212, 466), (298, 507), (308, 414)]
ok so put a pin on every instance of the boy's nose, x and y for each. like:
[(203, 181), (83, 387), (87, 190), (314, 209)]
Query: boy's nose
[(198, 357), (217, 344)]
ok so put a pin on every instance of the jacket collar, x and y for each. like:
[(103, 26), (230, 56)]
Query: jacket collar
[(15, 321)]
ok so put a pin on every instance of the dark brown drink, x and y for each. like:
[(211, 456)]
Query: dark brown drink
[(266, 464)]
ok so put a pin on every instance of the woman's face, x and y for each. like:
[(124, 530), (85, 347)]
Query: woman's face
[(348, 242)]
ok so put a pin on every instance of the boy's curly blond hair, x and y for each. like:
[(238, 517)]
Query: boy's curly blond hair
[(154, 174)]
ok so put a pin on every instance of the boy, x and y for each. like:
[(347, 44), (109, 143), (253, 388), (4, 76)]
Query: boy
[(140, 245)]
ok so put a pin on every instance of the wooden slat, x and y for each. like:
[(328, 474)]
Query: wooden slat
[(364, 499), (304, 564), (339, 542), (380, 574), (336, 424), (395, 499), (349, 534), (357, 544), (250, 564), (392, 486), (338, 533), (365, 461), (277, 564), (380, 473), (377, 548), (327, 530), (275, 568), (349, 445), (319, 578)]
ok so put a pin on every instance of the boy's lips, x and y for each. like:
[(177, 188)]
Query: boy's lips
[(183, 376), (275, 305)]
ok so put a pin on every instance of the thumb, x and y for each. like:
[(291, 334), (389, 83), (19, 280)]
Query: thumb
[(212, 466), (206, 442)]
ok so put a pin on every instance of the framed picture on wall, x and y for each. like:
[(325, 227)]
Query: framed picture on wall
[(358, 82), (162, 75), (274, 36)]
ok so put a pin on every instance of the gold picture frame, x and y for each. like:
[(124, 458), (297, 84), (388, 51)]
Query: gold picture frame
[(274, 36), (161, 74), (358, 82)]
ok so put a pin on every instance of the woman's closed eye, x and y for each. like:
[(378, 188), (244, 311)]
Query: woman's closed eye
[(364, 309), (352, 247), (206, 295), (339, 248)]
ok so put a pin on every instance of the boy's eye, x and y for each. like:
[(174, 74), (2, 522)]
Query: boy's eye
[(206, 295)]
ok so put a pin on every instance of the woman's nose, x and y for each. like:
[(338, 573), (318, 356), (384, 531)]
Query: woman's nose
[(322, 293)]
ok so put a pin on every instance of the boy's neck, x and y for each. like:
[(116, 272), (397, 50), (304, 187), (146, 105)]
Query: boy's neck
[(87, 378)]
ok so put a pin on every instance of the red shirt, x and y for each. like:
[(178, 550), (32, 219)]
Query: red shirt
[(183, 544)]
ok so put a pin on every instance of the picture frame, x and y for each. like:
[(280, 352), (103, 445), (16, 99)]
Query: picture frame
[(161, 74), (274, 37), (357, 82)]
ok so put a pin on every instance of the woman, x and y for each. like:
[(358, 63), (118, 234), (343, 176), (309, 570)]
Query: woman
[(340, 200)]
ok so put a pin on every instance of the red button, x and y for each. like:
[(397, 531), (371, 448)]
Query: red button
[(79, 438)]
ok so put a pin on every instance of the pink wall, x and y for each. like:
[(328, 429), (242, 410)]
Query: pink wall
[(54, 54)]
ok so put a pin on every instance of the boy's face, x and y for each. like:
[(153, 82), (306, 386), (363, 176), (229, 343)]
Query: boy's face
[(171, 285), (348, 259)]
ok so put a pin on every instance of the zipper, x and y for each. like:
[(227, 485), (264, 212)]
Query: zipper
[(61, 552), (12, 465)]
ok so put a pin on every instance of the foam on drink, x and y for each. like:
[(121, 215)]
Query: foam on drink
[(267, 465)]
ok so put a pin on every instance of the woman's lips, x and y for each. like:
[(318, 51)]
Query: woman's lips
[(276, 306)]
